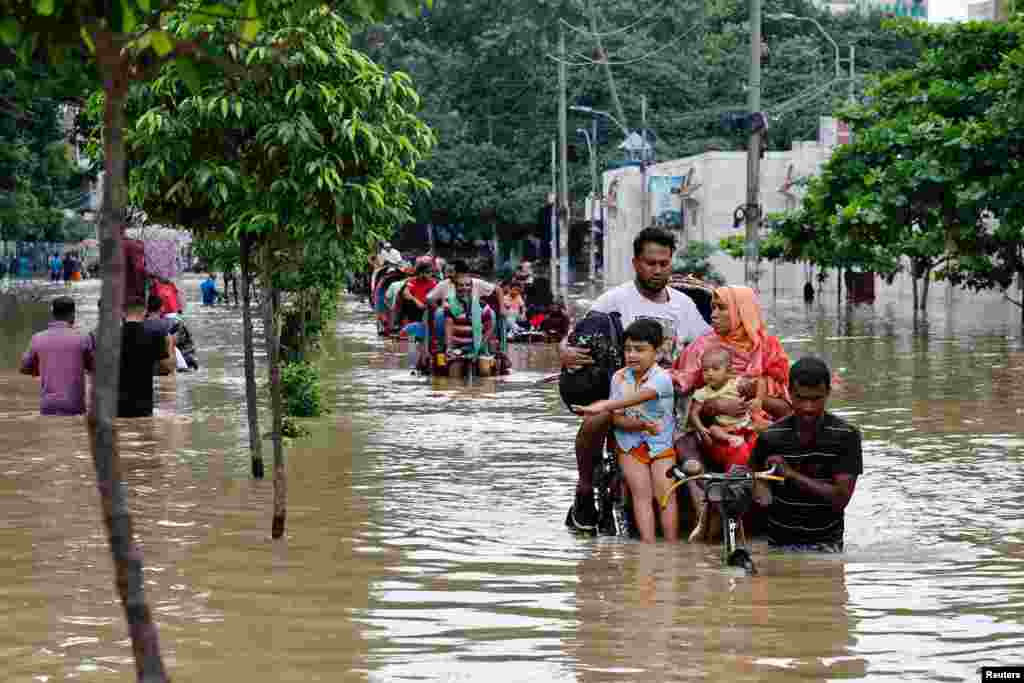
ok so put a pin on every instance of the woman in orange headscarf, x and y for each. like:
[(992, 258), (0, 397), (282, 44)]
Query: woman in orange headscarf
[(737, 325), (757, 358)]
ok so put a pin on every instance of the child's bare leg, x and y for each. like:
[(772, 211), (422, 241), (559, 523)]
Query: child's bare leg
[(719, 433), (638, 476), (670, 513)]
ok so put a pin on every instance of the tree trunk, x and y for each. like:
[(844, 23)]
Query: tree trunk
[(839, 288), (255, 443), (913, 285), (301, 351), (926, 280), (149, 666), (270, 311)]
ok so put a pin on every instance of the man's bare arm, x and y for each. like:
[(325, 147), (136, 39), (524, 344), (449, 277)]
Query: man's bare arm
[(838, 492)]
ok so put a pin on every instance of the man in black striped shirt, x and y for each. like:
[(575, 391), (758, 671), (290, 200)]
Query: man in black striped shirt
[(820, 457)]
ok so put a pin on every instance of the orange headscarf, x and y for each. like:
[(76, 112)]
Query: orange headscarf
[(746, 328)]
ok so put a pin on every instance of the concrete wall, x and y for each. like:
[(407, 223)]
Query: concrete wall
[(718, 186)]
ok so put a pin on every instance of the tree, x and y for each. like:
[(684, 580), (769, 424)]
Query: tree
[(489, 82), (39, 178), (934, 152), (311, 164), (126, 41), (989, 253)]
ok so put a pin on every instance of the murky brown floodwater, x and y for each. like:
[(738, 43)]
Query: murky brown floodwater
[(425, 537)]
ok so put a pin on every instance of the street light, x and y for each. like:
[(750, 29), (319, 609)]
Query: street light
[(598, 112), (793, 17), (593, 193)]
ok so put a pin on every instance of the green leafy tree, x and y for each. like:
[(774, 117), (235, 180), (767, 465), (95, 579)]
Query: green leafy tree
[(39, 178), (127, 41), (933, 152), (489, 82), (313, 163), (989, 252)]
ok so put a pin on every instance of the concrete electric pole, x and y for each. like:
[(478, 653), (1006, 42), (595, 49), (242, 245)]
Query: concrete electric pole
[(753, 208), (563, 199), (645, 206), (553, 283)]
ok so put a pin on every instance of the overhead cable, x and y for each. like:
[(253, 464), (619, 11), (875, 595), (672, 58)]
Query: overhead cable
[(602, 34), (594, 62)]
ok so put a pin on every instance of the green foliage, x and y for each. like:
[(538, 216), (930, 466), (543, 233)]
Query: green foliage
[(39, 178), (936, 149), (300, 387), (219, 254), (490, 88), (292, 429), (695, 259), (318, 157)]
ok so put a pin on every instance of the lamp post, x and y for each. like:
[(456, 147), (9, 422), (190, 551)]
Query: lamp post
[(591, 143), (789, 16), (598, 112)]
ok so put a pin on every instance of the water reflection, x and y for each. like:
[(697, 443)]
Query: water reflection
[(425, 525)]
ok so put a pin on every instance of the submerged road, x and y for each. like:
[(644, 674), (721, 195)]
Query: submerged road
[(425, 537)]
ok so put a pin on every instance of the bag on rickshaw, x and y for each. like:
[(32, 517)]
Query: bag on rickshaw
[(601, 334)]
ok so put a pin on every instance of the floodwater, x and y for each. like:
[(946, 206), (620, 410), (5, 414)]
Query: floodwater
[(425, 537)]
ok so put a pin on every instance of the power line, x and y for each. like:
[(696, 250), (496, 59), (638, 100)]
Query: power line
[(592, 62), (602, 34)]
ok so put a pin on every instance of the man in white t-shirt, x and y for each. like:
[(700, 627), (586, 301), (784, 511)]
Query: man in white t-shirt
[(647, 296), (439, 294)]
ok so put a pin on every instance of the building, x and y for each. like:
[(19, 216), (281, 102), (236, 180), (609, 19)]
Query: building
[(698, 197), (898, 8), (983, 10)]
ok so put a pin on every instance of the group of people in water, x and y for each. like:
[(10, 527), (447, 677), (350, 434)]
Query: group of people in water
[(748, 407), (459, 321), (703, 395), (154, 341)]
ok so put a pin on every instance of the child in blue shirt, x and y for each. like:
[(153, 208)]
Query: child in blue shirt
[(642, 403)]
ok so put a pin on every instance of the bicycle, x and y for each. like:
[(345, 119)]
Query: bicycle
[(613, 519), (733, 491)]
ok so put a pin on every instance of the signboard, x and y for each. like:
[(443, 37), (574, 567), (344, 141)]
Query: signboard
[(832, 132), (666, 203)]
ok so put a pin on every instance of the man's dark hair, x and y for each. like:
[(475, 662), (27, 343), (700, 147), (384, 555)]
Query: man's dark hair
[(645, 330), (810, 372), (154, 304), (460, 266), (63, 308), (658, 236)]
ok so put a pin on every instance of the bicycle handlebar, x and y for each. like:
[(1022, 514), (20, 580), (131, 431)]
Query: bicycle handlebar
[(745, 475)]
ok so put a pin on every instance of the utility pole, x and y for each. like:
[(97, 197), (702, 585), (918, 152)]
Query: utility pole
[(607, 67), (646, 200), (554, 217), (753, 208), (563, 199), (595, 201), (853, 95)]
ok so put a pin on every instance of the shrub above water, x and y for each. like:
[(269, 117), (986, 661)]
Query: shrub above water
[(300, 386)]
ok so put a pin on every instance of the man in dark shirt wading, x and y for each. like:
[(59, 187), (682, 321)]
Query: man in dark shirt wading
[(140, 350), (820, 457)]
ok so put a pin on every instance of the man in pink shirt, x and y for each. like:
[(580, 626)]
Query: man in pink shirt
[(60, 356)]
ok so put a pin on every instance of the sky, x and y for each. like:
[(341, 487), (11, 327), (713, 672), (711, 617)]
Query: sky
[(939, 10)]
